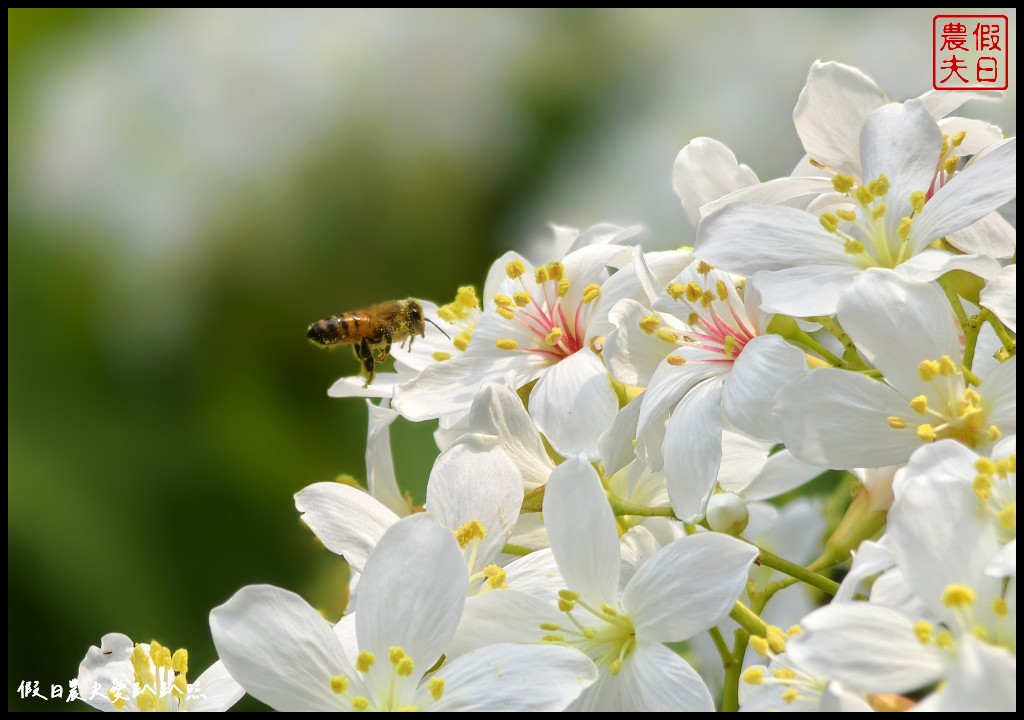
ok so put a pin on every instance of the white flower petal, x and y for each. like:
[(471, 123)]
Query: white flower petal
[(449, 387), (535, 574), (804, 291), (1000, 296), (782, 473), (880, 652), (991, 236), (830, 112), (514, 678), (502, 616), (897, 324), (671, 382), (774, 192), (693, 449), (941, 103), (380, 468), (1004, 564), (766, 364), (383, 386), (346, 520), (616, 446), (902, 142), (836, 418), (631, 354), (218, 690), (983, 679), (588, 266), (653, 679), (742, 460), (745, 238), (979, 189), (706, 170), (279, 649), (583, 534), (411, 592), (931, 264), (979, 134), (869, 559), (574, 403), (688, 586), (105, 667), (1000, 389), (475, 479)]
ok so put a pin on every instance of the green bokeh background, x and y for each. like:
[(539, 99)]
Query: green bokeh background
[(188, 190)]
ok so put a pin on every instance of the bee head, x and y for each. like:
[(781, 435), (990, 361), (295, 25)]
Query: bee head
[(414, 311)]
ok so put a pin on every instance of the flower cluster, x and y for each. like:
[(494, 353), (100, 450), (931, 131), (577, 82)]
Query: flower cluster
[(642, 500)]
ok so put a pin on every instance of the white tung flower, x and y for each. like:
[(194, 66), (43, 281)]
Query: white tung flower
[(122, 676), (410, 600)]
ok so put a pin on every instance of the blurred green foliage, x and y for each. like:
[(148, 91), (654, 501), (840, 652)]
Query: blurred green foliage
[(165, 255)]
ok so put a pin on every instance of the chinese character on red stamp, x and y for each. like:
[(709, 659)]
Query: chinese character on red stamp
[(970, 52)]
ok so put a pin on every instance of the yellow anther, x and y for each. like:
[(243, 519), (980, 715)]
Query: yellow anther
[(676, 360), (958, 596), (676, 290), (502, 300), (722, 290), (650, 323), (550, 627), (853, 247), (1007, 518), (146, 701), (919, 404), (923, 630), (950, 163), (566, 605), (554, 337), (436, 687), (556, 270), (928, 369), (440, 356), (944, 639), (972, 396), (994, 433), (160, 655), (979, 632), (985, 466), (784, 674), (521, 298), (179, 661), (864, 195), (879, 186), (591, 293), (445, 313), (365, 660), (790, 695), (496, 577), (753, 675), (692, 319), (829, 221), (668, 335), (879, 210), (703, 268), (339, 684), (466, 297), (470, 531), (395, 654), (947, 367), (461, 341), (917, 199), (615, 666), (596, 344), (944, 147), (589, 632), (759, 644), (959, 138), (118, 700), (568, 595), (505, 312), (906, 225), (179, 687), (563, 286), (506, 344), (982, 486), (540, 275), (842, 183), (1000, 608), (729, 346), (515, 269), (926, 432), (359, 703), (794, 630), (404, 667), (555, 638), (847, 215), (609, 610), (896, 422), (776, 637), (706, 298), (694, 292)]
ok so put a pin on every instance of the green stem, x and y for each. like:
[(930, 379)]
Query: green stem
[(769, 559), (1010, 343), (851, 358), (972, 331), (814, 346), (946, 283), (723, 650), (621, 507), (970, 377), (748, 620), (520, 550)]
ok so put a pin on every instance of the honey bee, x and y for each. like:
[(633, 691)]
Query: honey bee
[(372, 331)]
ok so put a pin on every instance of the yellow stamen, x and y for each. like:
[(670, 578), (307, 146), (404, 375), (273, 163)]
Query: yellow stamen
[(554, 337), (879, 210), (847, 215), (553, 638), (759, 644), (919, 404), (950, 163), (896, 422), (790, 695), (917, 199), (461, 341), (436, 687), (359, 703), (676, 360), (502, 300), (496, 577), (923, 630), (179, 661), (591, 293), (521, 298), (505, 312), (650, 323), (667, 334), (703, 268), (470, 531), (864, 195), (179, 687), (339, 684), (466, 297), (1007, 518), (928, 369), (879, 186), (365, 660), (947, 368), (540, 275), (506, 344), (440, 356), (842, 183), (1000, 608), (753, 675), (926, 432), (830, 222), (563, 286), (906, 225), (958, 596), (146, 701), (675, 290), (556, 270), (853, 247), (959, 138), (515, 269)]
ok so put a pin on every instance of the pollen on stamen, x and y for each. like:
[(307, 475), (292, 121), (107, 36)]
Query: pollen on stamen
[(466, 297), (446, 313), (146, 701), (676, 360), (896, 422), (994, 433), (515, 269), (506, 344), (879, 186), (950, 163), (650, 324), (554, 337), (550, 627), (753, 675), (1000, 608), (784, 674), (923, 630), (759, 644), (541, 276), (958, 596), (179, 686), (365, 661), (729, 346), (461, 341), (958, 139), (776, 638), (947, 368), (359, 703), (829, 221), (879, 210), (179, 661), (906, 225), (521, 298), (502, 300), (440, 356), (853, 247), (864, 195), (553, 638), (496, 577), (566, 605), (917, 200), (436, 687), (790, 695), (722, 289), (928, 369), (847, 215), (926, 432), (556, 270), (675, 290), (339, 684), (842, 183), (563, 286), (589, 632), (668, 335), (919, 404), (704, 268), (1007, 518), (794, 630), (505, 312), (471, 530), (591, 293)]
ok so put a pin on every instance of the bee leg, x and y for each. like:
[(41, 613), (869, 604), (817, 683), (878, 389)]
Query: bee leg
[(365, 355), (382, 347)]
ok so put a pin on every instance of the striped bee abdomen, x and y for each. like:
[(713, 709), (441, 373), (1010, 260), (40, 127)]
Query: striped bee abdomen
[(347, 328)]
